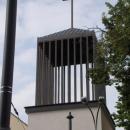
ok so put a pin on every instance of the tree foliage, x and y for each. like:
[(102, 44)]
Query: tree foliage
[(114, 51)]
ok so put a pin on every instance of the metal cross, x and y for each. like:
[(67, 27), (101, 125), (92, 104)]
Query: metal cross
[(70, 117), (72, 13)]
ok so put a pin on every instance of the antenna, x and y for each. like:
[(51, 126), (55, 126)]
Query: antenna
[(72, 13)]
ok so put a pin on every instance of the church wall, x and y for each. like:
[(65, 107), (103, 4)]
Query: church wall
[(56, 120)]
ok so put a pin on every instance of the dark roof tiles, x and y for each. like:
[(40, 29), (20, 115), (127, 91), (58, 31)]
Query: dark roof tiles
[(69, 33)]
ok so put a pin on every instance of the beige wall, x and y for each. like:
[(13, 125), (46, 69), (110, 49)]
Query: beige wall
[(16, 124), (56, 120)]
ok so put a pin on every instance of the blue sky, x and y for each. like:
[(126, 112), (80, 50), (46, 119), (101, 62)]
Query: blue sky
[(37, 18)]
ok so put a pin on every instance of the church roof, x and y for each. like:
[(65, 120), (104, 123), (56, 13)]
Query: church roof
[(69, 33)]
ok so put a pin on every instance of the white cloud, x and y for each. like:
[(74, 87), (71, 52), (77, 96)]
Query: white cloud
[(27, 57), (25, 67), (2, 21), (0, 70), (2, 28), (24, 97), (39, 19)]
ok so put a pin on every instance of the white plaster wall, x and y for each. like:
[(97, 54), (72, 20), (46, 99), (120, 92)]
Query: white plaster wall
[(56, 120)]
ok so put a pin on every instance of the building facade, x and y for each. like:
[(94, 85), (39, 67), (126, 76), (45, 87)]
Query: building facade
[(16, 124), (62, 80), (54, 117)]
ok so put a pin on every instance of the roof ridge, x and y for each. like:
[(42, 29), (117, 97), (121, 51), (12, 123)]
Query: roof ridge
[(67, 33)]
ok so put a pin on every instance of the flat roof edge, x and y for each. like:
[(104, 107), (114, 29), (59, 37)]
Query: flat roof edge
[(55, 107)]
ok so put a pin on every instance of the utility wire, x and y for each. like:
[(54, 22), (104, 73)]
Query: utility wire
[(16, 112)]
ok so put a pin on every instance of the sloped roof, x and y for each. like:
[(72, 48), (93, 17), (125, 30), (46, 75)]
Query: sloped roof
[(16, 123), (69, 33)]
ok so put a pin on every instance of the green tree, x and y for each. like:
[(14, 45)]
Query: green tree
[(114, 51)]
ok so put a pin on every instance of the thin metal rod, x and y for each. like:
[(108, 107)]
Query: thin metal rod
[(55, 72), (81, 69), (75, 74), (8, 65), (72, 13), (87, 70)]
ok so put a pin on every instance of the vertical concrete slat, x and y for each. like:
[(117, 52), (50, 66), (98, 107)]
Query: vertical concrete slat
[(37, 98), (87, 70), (81, 68), (62, 85), (75, 74), (55, 71)]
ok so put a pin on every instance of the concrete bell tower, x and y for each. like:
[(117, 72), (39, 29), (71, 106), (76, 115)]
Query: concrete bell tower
[(63, 62)]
